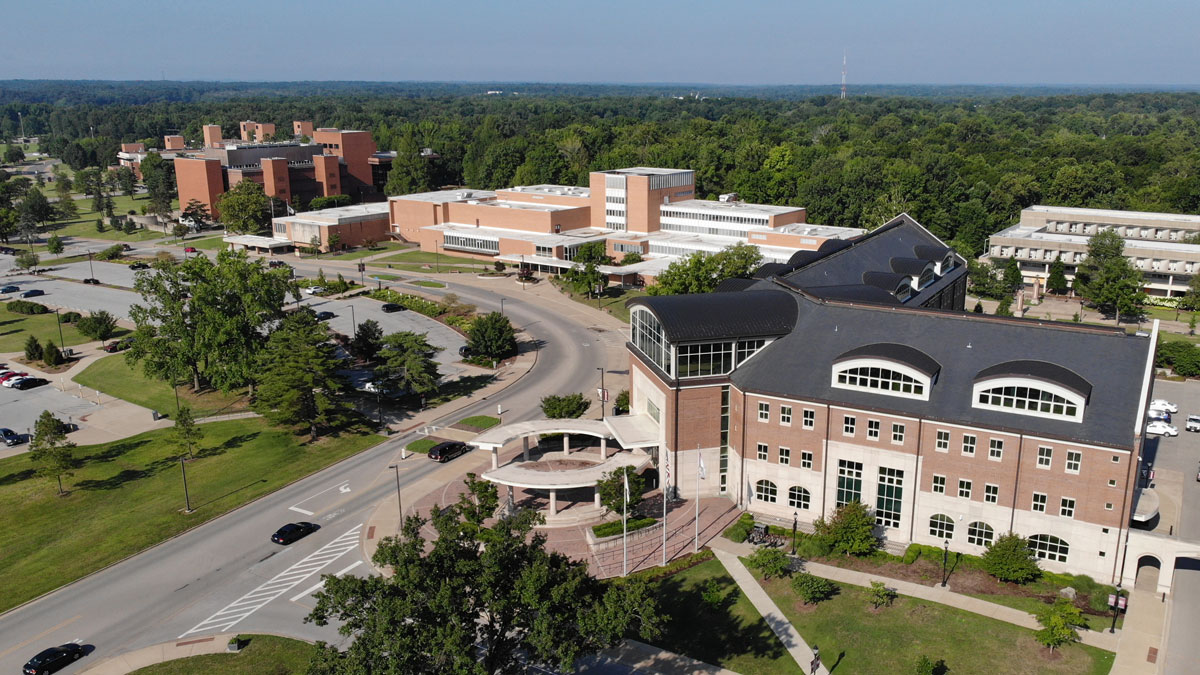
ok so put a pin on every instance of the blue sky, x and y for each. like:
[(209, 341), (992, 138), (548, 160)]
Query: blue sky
[(1143, 42)]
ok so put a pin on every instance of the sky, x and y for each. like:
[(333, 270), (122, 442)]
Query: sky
[(1089, 42)]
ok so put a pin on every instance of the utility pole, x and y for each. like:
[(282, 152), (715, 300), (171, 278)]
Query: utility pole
[(187, 500)]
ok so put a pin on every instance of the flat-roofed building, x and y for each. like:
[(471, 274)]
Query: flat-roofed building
[(349, 226)]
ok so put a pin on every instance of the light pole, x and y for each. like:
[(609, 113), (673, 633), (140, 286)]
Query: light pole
[(399, 503), (437, 257), (353, 323), (795, 522), (1114, 602), (501, 306), (91, 272), (187, 500), (58, 319), (945, 558), (602, 397)]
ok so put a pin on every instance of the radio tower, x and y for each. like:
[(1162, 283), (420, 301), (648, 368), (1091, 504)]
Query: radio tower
[(843, 73)]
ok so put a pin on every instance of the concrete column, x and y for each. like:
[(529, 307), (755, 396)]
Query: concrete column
[(510, 495), (603, 448), (597, 501), (495, 458), (554, 502), (525, 447), (566, 444)]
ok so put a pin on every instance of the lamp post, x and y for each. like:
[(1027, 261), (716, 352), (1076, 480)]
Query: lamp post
[(399, 503), (187, 500), (91, 272), (353, 323), (945, 559), (1114, 602), (602, 397), (795, 522), (501, 306), (437, 257), (58, 319)]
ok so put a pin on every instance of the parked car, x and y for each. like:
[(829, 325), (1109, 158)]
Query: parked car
[(277, 263), (30, 382), (190, 249), (12, 381), (139, 266), (11, 437), (465, 351), (1193, 423), (11, 374), (33, 293), (1159, 415), (444, 452), (293, 532), (126, 247), (92, 280), (1160, 428), (314, 290), (10, 289), (390, 307), (53, 659), (1163, 404), (325, 316)]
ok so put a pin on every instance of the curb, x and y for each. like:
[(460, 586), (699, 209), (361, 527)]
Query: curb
[(218, 639)]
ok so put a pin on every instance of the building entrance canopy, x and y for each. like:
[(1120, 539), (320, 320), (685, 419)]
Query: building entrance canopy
[(516, 475), (497, 437)]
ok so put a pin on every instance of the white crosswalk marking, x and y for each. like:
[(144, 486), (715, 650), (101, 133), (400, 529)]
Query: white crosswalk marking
[(281, 583)]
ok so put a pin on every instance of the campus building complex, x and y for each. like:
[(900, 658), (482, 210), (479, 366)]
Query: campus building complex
[(1154, 243), (648, 211), (843, 377), (333, 162)]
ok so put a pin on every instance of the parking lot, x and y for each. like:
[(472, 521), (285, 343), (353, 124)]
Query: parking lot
[(19, 409), (1176, 461)]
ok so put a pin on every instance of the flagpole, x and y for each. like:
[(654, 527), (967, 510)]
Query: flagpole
[(699, 470), (665, 487), (625, 527)]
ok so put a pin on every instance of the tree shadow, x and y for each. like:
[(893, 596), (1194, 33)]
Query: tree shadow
[(113, 482), (112, 452), (17, 477), (838, 662)]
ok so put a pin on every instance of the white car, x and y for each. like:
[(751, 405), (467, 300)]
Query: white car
[(1163, 404), (1153, 429), (13, 380), (313, 290)]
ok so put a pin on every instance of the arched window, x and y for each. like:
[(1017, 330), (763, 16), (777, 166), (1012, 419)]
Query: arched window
[(980, 533), (646, 333), (1029, 397), (926, 278), (765, 491), (941, 526), (1049, 547), (798, 497), (904, 290), (883, 378)]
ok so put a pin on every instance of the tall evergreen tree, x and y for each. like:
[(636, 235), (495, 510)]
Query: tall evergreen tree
[(50, 450), (299, 382)]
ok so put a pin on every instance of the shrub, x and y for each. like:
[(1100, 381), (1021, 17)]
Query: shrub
[(564, 407), (26, 307), (99, 225), (1011, 559), (738, 531), (1058, 624), (881, 595), (851, 530), (71, 317), (614, 527), (33, 349), (51, 355), (111, 253), (621, 403), (415, 303), (130, 227), (612, 489), (771, 562), (927, 666), (813, 589), (813, 547), (711, 594)]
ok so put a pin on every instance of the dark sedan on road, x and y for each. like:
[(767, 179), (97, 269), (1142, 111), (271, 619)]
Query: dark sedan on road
[(10, 289), (53, 659), (292, 532), (325, 316), (390, 307), (30, 383), (444, 452), (118, 345), (11, 437), (33, 293)]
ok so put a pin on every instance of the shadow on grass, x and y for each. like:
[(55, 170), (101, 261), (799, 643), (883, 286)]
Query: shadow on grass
[(116, 481), (231, 492), (112, 452), (17, 477), (464, 386)]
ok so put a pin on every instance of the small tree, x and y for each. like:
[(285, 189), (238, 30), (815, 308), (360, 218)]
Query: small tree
[(770, 562), (813, 589), (978, 307), (1011, 559), (881, 595), (187, 433), (1005, 306), (100, 325), (100, 225), (50, 450), (368, 339), (1057, 281), (927, 666), (33, 349), (368, 243), (1012, 276), (612, 489), (130, 226), (563, 407), (851, 530), (335, 241), (27, 260), (1058, 624), (54, 245), (51, 354), (179, 230), (621, 403), (492, 336)]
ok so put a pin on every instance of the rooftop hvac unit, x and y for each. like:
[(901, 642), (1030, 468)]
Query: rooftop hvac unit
[(728, 197)]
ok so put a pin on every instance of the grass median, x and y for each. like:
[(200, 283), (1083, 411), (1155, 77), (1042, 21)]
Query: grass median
[(127, 496), (16, 328), (85, 224), (114, 377), (261, 654)]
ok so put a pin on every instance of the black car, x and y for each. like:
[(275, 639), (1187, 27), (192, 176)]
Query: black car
[(92, 280), (53, 659), (9, 289), (33, 293), (277, 263), (31, 382), (11, 437), (390, 307), (139, 266), (444, 452), (293, 531), (464, 351), (325, 316)]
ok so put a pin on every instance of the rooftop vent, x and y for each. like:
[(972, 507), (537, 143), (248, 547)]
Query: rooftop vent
[(728, 197)]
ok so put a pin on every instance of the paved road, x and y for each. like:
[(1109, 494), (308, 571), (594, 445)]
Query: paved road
[(216, 569)]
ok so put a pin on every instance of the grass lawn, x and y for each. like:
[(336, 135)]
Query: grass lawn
[(856, 639), (1178, 337), (732, 635), (357, 253), (428, 284), (386, 277), (126, 496), (480, 422), (423, 261), (16, 328), (114, 377), (263, 654), (207, 243), (613, 300), (421, 445), (1033, 606), (85, 224)]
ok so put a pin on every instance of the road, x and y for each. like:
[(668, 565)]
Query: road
[(218, 568)]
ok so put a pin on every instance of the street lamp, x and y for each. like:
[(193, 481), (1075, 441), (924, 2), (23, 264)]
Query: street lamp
[(602, 397), (501, 306), (945, 559), (58, 319), (1114, 603), (399, 503), (353, 323), (91, 272), (437, 257), (795, 522)]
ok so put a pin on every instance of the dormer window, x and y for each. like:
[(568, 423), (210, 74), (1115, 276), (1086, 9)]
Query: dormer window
[(904, 291), (1036, 388), (927, 277), (886, 368)]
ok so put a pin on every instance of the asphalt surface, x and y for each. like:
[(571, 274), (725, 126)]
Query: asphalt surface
[(178, 586)]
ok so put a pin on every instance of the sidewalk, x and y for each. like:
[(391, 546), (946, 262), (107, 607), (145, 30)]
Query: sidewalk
[(1102, 640), (1142, 636), (168, 651)]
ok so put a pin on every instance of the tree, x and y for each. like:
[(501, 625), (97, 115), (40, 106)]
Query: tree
[(187, 433), (1013, 280), (27, 260), (37, 207), (51, 354), (50, 450), (407, 363), (851, 530), (1057, 281), (410, 172), (99, 325), (1104, 246), (700, 272), (881, 595), (1011, 559), (927, 666), (770, 562), (368, 339), (33, 349), (243, 208), (65, 209), (479, 582), (631, 258), (492, 336), (813, 589), (592, 252), (54, 245), (978, 309), (335, 241), (1117, 288), (1059, 622), (1190, 300), (1005, 306), (62, 184), (13, 154), (621, 403), (158, 175), (196, 213), (563, 407), (179, 230), (612, 490), (8, 224), (300, 383), (126, 180), (585, 280)]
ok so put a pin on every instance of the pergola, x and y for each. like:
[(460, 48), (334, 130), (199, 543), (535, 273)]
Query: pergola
[(515, 475), (497, 437)]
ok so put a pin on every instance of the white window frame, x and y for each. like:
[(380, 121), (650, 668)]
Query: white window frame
[(1066, 507), (809, 418), (764, 411), (799, 498), (942, 441), (939, 484), (1039, 506), (1077, 461), (873, 427), (980, 536), (766, 491), (991, 493), (965, 488), (921, 378), (941, 526), (764, 452), (974, 443), (992, 383), (785, 456), (996, 449), (1045, 457), (1043, 551), (785, 415), (849, 425), (897, 433), (806, 459)]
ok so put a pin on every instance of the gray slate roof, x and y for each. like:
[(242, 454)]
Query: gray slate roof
[(721, 316)]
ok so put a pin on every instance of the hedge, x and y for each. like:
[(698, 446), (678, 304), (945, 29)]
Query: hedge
[(416, 304), (614, 527), (674, 567), (738, 531), (26, 307)]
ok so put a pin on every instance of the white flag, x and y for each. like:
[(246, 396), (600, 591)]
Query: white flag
[(703, 473), (625, 477)]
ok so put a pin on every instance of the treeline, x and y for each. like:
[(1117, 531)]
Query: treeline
[(963, 168)]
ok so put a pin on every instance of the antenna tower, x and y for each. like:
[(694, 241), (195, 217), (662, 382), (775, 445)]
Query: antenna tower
[(843, 73)]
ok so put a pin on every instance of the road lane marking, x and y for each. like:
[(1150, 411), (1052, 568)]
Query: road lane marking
[(231, 614), (347, 569), (302, 511), (342, 487), (313, 589), (40, 635)]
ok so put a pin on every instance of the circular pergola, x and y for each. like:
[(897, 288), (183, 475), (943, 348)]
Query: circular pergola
[(497, 437)]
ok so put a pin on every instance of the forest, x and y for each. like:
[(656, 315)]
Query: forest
[(964, 167)]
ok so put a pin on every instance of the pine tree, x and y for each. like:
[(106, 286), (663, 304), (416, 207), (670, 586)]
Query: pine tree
[(50, 450)]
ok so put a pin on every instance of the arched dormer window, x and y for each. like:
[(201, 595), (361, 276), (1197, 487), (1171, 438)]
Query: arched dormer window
[(1035, 388), (885, 368), (927, 277), (904, 290), (947, 264)]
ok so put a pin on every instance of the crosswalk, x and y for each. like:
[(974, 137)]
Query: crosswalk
[(281, 583)]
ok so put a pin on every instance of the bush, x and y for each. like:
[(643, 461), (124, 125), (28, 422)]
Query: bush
[(711, 594), (33, 349), (738, 531), (813, 589), (415, 303), (130, 227), (1011, 559), (621, 403), (564, 407), (99, 225), (51, 355), (881, 595), (26, 307), (851, 530), (71, 317), (328, 202), (111, 253), (771, 562), (812, 547), (1058, 624), (614, 527), (927, 666)]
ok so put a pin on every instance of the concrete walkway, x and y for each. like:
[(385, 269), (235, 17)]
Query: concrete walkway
[(167, 651), (771, 613), (1140, 640)]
